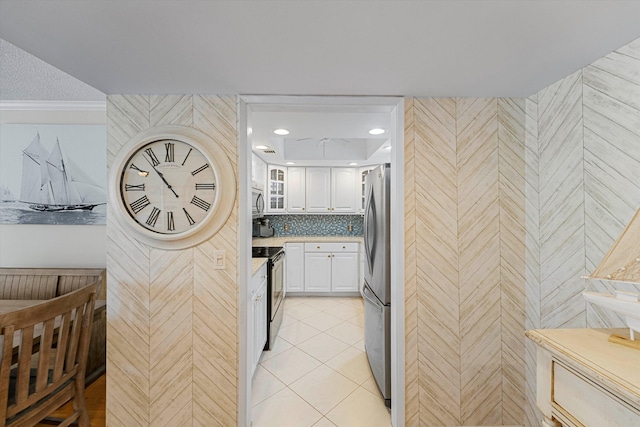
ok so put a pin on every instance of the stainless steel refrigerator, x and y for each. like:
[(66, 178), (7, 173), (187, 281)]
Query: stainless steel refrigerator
[(376, 288)]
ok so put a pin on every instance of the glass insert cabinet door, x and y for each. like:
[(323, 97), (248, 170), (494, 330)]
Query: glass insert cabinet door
[(277, 189)]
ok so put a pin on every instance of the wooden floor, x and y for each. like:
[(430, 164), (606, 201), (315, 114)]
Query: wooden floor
[(96, 399)]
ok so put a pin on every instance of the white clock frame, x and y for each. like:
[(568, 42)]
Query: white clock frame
[(226, 187)]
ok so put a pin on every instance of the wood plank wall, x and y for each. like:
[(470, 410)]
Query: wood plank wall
[(465, 261), (172, 346), (507, 203), (582, 188)]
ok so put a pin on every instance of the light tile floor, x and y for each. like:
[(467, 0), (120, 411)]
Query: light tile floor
[(317, 374)]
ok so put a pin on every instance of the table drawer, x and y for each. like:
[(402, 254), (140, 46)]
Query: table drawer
[(581, 402), (331, 247)]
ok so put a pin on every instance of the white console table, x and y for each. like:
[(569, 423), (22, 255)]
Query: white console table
[(584, 380)]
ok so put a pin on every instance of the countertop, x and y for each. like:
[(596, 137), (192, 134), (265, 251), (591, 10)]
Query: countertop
[(281, 240), (256, 263)]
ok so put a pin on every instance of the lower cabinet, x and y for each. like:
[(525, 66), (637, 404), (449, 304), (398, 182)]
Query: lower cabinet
[(294, 267), (331, 267), (258, 315), (344, 272), (317, 272)]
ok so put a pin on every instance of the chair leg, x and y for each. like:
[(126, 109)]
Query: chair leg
[(80, 403)]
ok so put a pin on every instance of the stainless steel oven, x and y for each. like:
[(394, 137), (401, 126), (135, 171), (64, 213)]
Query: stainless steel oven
[(275, 288)]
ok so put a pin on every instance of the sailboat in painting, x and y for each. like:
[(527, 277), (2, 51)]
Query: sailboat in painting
[(52, 182)]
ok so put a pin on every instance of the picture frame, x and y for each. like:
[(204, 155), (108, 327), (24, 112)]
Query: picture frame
[(53, 174)]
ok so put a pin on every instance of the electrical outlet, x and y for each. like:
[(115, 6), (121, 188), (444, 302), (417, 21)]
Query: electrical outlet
[(350, 228), (286, 226)]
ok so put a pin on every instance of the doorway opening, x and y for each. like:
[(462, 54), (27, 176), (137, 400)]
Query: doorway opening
[(251, 109)]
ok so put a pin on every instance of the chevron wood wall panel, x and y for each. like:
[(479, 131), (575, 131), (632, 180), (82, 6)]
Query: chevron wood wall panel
[(128, 305), (166, 364), (412, 368), (479, 262), (561, 198), (512, 154), (215, 331), (436, 246), (170, 337), (611, 159), (453, 246), (532, 255)]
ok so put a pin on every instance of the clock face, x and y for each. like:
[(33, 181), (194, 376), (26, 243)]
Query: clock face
[(168, 187)]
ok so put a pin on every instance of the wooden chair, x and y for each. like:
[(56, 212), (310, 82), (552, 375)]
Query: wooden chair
[(45, 366)]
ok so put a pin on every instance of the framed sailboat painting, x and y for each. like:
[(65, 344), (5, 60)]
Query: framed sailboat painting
[(53, 174)]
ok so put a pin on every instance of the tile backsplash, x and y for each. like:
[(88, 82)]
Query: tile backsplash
[(317, 225)]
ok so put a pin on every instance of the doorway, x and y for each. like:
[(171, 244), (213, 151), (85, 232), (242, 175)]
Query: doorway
[(248, 107)]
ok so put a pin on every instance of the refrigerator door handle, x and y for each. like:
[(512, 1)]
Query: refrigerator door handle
[(371, 298), (370, 230)]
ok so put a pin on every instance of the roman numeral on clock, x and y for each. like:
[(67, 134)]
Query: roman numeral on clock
[(200, 169), (187, 156), (200, 203), (211, 186), (191, 221), (169, 148), (138, 205), (170, 224), (154, 160), (153, 217), (136, 187)]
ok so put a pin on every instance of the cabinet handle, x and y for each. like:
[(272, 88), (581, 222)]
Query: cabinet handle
[(318, 247), (332, 256), (344, 247), (302, 208), (328, 209), (328, 256)]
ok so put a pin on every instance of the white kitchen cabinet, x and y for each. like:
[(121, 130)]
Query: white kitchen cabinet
[(343, 190), (363, 172), (276, 191), (258, 172), (258, 316), (294, 270), (317, 272), (296, 189), (318, 190), (331, 267), (344, 272)]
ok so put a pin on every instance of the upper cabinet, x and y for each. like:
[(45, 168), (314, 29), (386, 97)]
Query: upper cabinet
[(343, 190), (296, 179), (363, 172), (318, 189), (276, 196), (258, 172)]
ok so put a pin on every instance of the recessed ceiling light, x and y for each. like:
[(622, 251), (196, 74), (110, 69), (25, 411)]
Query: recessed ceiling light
[(291, 163), (261, 147), (353, 164), (377, 131), (281, 132), (388, 147)]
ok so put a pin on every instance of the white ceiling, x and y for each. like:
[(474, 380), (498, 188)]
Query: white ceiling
[(423, 48), (468, 48)]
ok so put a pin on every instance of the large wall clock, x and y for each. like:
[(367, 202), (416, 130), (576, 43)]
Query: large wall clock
[(172, 187)]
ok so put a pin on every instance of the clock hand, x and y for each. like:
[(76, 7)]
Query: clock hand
[(161, 176)]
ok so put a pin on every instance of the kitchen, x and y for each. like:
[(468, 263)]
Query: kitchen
[(309, 199)]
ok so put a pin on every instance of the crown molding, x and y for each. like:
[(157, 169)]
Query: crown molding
[(98, 106)]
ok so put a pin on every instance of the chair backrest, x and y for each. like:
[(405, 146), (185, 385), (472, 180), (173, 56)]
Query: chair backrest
[(44, 353)]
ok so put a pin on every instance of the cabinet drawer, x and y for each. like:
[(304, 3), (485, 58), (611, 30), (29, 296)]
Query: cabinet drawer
[(331, 247), (581, 400)]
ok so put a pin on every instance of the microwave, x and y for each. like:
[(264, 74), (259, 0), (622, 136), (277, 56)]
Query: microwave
[(257, 203)]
